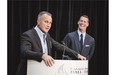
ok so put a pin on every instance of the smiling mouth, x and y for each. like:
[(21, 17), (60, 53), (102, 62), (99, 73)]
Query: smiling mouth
[(81, 25)]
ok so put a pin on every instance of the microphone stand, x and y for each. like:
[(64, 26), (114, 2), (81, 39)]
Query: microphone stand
[(66, 56), (63, 55)]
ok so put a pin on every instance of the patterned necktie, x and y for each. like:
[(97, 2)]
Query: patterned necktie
[(44, 38), (45, 44), (81, 41)]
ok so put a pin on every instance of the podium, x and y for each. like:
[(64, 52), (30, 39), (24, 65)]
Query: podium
[(61, 67)]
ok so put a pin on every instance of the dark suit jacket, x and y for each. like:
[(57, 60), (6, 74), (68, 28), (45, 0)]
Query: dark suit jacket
[(72, 41), (31, 48)]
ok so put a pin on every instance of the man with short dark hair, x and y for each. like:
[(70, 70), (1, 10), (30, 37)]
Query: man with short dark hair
[(79, 40)]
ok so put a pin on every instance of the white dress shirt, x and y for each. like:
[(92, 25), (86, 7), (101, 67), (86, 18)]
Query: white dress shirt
[(42, 39)]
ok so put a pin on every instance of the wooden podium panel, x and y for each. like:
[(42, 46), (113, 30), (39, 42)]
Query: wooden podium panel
[(61, 67)]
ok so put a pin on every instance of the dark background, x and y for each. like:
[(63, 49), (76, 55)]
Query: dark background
[(22, 15)]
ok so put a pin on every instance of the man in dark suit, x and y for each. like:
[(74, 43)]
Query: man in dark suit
[(36, 44), (79, 40)]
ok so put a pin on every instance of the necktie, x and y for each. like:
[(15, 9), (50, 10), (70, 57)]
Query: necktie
[(44, 38), (81, 41), (45, 44)]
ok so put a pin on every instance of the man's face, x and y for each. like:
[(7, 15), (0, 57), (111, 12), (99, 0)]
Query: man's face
[(45, 23), (83, 23)]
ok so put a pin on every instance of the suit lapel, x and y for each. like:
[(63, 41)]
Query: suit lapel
[(86, 39), (37, 38), (78, 42), (48, 44)]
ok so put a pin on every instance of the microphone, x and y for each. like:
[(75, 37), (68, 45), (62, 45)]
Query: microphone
[(63, 43), (66, 56)]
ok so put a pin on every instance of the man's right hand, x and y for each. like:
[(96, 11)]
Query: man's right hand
[(49, 61), (81, 57)]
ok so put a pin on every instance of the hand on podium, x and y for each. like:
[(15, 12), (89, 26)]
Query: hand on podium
[(80, 57), (49, 61)]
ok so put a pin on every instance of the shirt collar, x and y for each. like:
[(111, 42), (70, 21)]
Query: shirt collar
[(81, 33), (39, 31)]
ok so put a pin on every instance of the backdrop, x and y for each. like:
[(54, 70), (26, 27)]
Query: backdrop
[(22, 15)]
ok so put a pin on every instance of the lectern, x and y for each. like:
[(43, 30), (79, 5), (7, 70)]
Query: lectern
[(61, 67)]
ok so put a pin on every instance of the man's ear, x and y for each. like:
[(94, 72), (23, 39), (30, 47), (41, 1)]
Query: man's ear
[(38, 22), (77, 22)]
